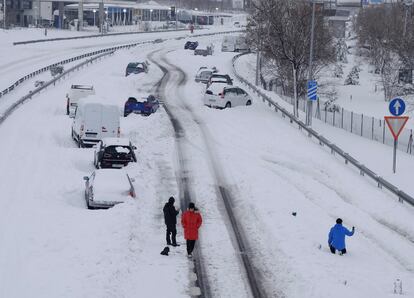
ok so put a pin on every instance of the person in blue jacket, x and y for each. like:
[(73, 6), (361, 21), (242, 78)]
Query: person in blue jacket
[(336, 239)]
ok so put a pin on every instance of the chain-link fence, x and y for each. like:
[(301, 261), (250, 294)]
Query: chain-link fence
[(359, 124)]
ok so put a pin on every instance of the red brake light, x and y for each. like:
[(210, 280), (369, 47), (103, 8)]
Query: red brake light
[(222, 94), (131, 193)]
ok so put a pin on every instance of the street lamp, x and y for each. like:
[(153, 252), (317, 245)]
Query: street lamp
[(196, 16), (94, 11), (124, 10), (310, 75), (4, 14), (151, 15)]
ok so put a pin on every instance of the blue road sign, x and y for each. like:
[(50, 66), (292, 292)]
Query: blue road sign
[(312, 88), (397, 106)]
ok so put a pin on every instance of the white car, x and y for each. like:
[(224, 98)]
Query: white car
[(75, 93), (204, 74), (107, 187), (221, 95)]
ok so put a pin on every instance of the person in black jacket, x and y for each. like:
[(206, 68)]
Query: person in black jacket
[(170, 217)]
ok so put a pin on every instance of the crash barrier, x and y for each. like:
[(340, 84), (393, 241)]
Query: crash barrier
[(363, 170), (127, 46), (15, 105), (365, 126), (92, 36)]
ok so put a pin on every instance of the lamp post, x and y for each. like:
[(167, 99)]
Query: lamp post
[(196, 9), (94, 12), (124, 10), (4, 14), (176, 18), (151, 15), (310, 75), (407, 4)]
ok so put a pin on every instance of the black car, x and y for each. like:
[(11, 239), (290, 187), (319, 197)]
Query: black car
[(191, 45), (221, 78), (114, 153), (136, 67)]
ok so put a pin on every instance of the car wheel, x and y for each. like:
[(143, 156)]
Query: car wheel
[(80, 144), (228, 104), (249, 103)]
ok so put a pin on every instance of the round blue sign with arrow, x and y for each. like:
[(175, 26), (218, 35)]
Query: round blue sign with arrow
[(397, 106)]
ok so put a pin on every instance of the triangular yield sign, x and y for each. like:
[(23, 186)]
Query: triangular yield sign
[(396, 124)]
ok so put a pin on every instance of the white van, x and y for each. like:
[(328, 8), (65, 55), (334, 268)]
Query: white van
[(234, 44), (228, 44), (94, 121), (77, 92)]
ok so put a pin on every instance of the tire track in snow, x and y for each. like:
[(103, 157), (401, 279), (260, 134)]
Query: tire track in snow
[(253, 274), (183, 177)]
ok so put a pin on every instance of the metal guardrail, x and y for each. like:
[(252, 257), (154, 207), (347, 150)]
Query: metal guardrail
[(381, 182), (92, 36), (15, 105), (42, 70)]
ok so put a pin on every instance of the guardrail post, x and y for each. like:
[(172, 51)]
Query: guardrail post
[(383, 133), (362, 124), (326, 114), (352, 120), (361, 172), (372, 128), (333, 118), (400, 199)]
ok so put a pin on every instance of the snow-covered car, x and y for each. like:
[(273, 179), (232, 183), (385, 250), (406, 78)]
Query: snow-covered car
[(145, 107), (191, 45), (114, 153), (75, 93), (219, 78), (204, 74), (204, 50), (107, 187), (221, 95), (136, 67), (329, 106)]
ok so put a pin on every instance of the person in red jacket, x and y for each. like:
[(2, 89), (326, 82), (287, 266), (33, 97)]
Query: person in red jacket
[(191, 221)]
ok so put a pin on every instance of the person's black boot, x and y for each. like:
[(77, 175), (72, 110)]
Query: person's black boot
[(175, 244)]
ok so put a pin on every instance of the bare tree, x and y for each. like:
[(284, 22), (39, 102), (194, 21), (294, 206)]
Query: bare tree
[(284, 28)]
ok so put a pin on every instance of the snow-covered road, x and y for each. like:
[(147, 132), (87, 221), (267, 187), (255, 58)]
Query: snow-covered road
[(52, 246)]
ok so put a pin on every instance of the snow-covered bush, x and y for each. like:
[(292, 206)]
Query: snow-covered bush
[(338, 71), (353, 76), (341, 51)]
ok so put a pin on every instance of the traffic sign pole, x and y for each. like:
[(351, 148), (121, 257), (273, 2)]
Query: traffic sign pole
[(396, 125), (394, 160)]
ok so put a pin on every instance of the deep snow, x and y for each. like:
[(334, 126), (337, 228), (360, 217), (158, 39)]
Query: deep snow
[(52, 246)]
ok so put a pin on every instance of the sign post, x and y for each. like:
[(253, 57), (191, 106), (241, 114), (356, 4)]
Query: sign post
[(312, 96), (396, 124)]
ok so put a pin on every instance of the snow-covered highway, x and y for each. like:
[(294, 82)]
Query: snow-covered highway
[(52, 246)]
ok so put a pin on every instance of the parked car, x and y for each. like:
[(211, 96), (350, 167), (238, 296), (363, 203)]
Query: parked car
[(146, 107), (204, 50), (136, 67), (224, 96), (233, 43), (56, 69), (107, 187), (204, 74), (191, 45), (114, 153), (219, 78), (94, 121), (75, 93)]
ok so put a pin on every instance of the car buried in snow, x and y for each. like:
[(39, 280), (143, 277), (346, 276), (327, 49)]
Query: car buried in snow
[(114, 153), (107, 187), (191, 45), (204, 74), (136, 68), (145, 107)]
